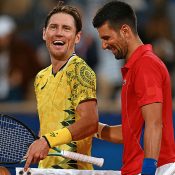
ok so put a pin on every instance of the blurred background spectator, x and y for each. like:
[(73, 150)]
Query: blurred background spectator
[(23, 52), (18, 63)]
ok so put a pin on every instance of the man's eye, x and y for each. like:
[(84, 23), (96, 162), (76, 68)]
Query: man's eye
[(67, 28), (52, 27)]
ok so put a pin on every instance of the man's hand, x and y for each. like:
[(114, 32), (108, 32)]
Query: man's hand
[(37, 151)]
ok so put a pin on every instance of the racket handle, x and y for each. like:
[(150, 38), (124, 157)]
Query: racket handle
[(82, 158)]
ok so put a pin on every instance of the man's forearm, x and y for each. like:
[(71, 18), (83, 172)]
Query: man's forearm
[(152, 141)]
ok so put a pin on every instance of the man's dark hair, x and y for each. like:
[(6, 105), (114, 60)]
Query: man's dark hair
[(116, 13), (62, 8)]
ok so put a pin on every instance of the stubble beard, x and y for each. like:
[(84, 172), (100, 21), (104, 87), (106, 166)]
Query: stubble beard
[(121, 55)]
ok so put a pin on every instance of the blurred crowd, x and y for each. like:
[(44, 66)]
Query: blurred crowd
[(23, 52)]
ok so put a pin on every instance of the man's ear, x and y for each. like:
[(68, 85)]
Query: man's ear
[(78, 37), (125, 30), (44, 34)]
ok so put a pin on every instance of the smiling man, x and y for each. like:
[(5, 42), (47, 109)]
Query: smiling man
[(66, 94), (147, 126)]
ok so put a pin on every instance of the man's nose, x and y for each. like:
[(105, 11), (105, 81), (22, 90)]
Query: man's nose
[(59, 32)]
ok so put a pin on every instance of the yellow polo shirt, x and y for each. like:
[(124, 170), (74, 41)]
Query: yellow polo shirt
[(57, 99)]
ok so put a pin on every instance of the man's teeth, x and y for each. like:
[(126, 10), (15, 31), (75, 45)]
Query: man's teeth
[(58, 43)]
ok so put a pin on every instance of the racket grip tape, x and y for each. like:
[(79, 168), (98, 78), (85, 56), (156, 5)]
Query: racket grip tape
[(83, 158)]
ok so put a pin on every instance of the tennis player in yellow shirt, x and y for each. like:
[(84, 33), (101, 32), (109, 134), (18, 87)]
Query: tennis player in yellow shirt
[(66, 95)]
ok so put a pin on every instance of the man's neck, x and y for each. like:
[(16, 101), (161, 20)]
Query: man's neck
[(57, 64), (133, 45)]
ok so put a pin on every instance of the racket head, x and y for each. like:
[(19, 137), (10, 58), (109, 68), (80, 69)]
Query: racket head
[(15, 138)]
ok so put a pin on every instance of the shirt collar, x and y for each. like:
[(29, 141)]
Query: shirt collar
[(137, 54), (54, 74)]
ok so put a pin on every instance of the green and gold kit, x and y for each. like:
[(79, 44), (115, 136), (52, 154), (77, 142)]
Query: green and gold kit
[(57, 99)]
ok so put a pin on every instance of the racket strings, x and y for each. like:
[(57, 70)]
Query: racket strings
[(15, 139)]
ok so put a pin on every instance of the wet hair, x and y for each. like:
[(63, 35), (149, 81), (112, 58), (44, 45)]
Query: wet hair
[(67, 9), (116, 13)]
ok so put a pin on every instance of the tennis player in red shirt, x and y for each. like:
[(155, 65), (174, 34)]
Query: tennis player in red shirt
[(147, 125)]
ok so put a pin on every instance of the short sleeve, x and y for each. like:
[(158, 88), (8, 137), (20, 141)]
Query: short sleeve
[(148, 82), (82, 82)]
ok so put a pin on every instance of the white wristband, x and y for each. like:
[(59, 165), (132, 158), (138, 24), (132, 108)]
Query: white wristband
[(100, 128)]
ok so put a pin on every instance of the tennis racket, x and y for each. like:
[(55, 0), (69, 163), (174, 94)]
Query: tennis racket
[(16, 137)]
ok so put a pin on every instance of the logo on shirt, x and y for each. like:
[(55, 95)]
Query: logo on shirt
[(44, 85), (124, 82)]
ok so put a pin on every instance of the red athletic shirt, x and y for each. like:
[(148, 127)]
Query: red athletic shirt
[(145, 81)]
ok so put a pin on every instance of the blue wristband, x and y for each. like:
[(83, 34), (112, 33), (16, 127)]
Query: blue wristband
[(149, 166)]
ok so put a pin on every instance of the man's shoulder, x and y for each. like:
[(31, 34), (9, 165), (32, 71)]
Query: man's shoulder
[(77, 61), (44, 71), (43, 74), (149, 58), (79, 69), (41, 77)]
